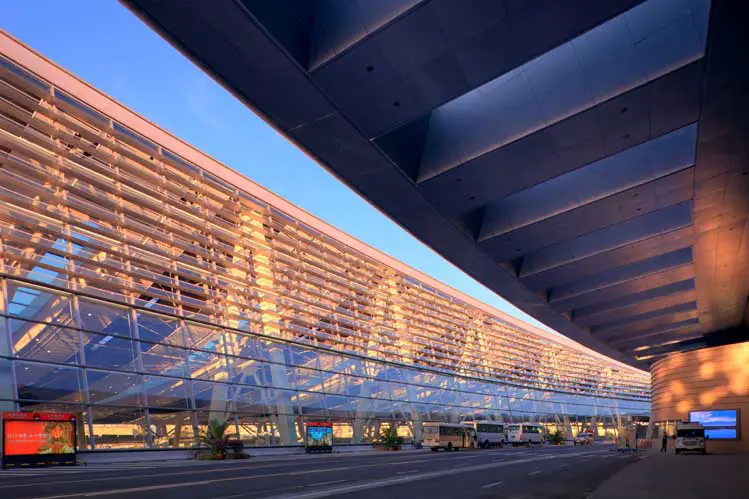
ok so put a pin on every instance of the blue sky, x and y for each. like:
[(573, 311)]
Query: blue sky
[(102, 43)]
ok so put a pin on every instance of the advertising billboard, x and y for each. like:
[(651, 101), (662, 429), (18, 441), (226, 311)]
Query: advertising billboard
[(38, 437), (719, 424), (319, 436)]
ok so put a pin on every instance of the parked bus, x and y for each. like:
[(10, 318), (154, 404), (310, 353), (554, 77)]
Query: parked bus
[(690, 437), (449, 436), (489, 433), (525, 433)]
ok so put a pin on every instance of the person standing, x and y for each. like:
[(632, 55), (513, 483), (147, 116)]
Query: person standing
[(664, 445)]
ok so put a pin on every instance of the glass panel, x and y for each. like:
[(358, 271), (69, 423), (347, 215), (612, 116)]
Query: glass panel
[(199, 336), (300, 356), (110, 388), (268, 350), (251, 400), (247, 372), (332, 362), (305, 379), (159, 329), (44, 342), (240, 345), (206, 365), (256, 430), (166, 392), (107, 351), (172, 429), (312, 404), (35, 304), (100, 316), (344, 407), (343, 432), (7, 388), (280, 401), (213, 396), (45, 382), (119, 428), (163, 359)]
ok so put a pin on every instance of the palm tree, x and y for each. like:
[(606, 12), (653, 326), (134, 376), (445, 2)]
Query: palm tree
[(216, 438)]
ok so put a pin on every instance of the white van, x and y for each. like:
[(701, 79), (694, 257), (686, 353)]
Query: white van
[(525, 434), (489, 433), (448, 436), (690, 437)]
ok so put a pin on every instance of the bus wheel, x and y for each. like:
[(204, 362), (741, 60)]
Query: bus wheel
[(435, 449)]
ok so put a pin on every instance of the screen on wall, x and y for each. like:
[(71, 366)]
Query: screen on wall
[(319, 436), (721, 424), (24, 438)]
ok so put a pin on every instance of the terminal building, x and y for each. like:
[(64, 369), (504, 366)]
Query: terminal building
[(584, 159), (150, 289)]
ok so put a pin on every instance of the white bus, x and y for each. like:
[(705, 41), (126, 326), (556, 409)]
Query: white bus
[(489, 433), (690, 437), (448, 436), (525, 433)]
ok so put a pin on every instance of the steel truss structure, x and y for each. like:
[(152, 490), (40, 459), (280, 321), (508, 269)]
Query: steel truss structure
[(151, 289)]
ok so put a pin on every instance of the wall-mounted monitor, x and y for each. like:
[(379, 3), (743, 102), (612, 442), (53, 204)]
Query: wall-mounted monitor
[(720, 424)]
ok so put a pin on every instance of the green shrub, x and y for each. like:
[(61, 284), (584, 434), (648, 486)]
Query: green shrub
[(557, 437), (216, 438), (389, 438)]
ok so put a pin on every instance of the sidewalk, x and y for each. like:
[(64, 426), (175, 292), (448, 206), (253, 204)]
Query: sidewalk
[(659, 476)]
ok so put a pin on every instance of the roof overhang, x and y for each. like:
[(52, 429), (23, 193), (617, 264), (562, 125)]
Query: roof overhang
[(587, 162)]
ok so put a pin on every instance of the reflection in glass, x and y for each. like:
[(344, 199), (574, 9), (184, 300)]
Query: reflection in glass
[(48, 382)]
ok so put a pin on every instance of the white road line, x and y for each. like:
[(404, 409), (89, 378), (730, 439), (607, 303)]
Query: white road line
[(489, 485), (411, 478), (535, 472), (406, 472), (318, 484), (563, 465), (230, 496), (215, 470), (311, 494)]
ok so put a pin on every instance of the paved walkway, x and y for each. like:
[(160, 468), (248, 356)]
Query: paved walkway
[(659, 476)]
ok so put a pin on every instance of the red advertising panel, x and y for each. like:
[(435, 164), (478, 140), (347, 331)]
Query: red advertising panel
[(38, 434)]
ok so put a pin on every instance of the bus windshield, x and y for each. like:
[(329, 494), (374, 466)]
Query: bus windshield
[(514, 427), (691, 433)]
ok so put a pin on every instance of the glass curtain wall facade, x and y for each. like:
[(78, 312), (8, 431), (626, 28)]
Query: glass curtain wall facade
[(149, 294)]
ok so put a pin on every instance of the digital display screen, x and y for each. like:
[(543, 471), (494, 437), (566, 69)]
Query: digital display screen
[(38, 438), (319, 436), (719, 425)]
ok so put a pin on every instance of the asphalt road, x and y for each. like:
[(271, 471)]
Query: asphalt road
[(540, 472)]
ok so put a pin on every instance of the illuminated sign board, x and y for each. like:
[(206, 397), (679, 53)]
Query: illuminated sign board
[(719, 424), (319, 435), (38, 437)]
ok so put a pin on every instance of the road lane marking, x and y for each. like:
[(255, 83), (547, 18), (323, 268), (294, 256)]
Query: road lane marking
[(345, 489), (535, 472), (407, 471), (331, 482), (212, 470), (203, 482), (311, 494), (563, 465), (489, 485)]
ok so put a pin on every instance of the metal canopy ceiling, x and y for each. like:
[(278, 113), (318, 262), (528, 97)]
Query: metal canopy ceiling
[(586, 160)]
